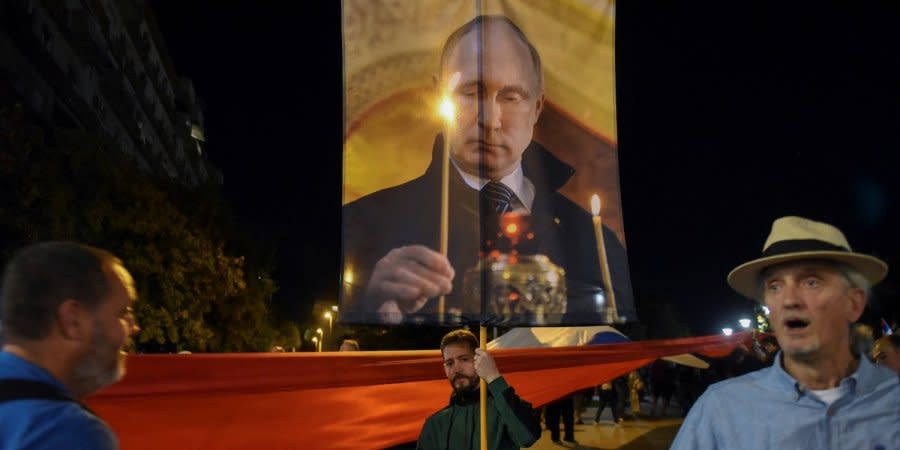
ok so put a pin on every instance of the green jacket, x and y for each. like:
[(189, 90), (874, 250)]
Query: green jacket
[(511, 422)]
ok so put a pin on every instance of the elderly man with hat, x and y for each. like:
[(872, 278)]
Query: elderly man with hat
[(818, 393)]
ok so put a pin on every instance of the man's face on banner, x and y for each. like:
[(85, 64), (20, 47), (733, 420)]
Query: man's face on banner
[(510, 101)]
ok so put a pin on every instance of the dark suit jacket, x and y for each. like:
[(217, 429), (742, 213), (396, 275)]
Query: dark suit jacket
[(409, 214)]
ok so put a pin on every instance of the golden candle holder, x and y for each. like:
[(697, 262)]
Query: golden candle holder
[(517, 288)]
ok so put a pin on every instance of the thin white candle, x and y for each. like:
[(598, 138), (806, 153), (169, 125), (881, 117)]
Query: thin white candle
[(612, 314), (447, 111)]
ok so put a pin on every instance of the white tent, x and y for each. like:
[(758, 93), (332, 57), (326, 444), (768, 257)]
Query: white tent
[(531, 337)]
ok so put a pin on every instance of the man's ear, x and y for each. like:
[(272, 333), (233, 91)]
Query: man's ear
[(857, 304), (538, 107), (72, 320)]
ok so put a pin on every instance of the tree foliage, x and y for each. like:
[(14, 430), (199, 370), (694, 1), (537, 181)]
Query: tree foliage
[(196, 290)]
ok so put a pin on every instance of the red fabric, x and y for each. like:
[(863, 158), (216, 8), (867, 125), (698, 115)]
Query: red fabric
[(337, 400)]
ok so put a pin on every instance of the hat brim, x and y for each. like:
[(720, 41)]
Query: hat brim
[(745, 278)]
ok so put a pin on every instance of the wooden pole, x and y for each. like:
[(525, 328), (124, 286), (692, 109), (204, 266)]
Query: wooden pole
[(479, 9), (483, 337)]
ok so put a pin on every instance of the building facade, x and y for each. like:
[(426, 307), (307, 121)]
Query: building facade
[(102, 66)]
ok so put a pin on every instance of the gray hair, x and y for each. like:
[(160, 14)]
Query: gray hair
[(854, 278)]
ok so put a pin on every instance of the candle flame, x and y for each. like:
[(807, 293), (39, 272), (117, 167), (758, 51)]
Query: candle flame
[(595, 205), (447, 110)]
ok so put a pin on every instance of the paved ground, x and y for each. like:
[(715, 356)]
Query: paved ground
[(645, 433), (636, 434)]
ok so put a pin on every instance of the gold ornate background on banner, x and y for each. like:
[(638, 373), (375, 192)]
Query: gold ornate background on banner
[(397, 194), (391, 53)]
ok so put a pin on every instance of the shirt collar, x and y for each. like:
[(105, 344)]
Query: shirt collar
[(22, 368), (864, 379), (520, 185)]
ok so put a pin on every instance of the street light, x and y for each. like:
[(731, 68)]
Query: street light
[(727, 331), (315, 340), (321, 338), (329, 316), (745, 323)]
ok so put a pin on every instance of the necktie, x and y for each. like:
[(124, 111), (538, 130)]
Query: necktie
[(498, 197)]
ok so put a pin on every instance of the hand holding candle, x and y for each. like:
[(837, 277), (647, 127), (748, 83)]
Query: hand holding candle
[(612, 315)]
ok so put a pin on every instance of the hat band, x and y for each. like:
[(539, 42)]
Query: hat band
[(801, 245)]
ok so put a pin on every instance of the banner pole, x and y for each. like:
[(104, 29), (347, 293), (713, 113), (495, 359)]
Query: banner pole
[(479, 9), (483, 338)]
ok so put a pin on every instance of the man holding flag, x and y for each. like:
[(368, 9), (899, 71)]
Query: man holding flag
[(511, 421)]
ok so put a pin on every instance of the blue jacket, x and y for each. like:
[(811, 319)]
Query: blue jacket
[(39, 424)]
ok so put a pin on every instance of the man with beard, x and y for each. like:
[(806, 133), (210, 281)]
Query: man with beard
[(66, 312), (511, 421), (819, 392)]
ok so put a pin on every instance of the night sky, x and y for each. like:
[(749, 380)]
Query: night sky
[(728, 118)]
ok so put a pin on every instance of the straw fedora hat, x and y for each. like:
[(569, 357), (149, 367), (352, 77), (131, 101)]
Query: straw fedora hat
[(794, 238)]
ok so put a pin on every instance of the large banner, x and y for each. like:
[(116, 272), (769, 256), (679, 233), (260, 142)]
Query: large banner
[(480, 167), (338, 400)]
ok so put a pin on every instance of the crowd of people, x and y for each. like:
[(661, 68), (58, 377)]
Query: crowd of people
[(815, 383), (67, 318), (660, 389)]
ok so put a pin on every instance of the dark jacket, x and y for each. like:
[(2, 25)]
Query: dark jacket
[(511, 422), (409, 214)]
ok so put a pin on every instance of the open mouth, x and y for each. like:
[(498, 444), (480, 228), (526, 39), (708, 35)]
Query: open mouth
[(796, 324)]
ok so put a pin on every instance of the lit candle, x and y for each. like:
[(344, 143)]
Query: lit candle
[(612, 315), (447, 111)]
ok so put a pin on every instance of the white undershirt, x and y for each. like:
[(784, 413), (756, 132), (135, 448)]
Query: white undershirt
[(829, 396), (517, 181)]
